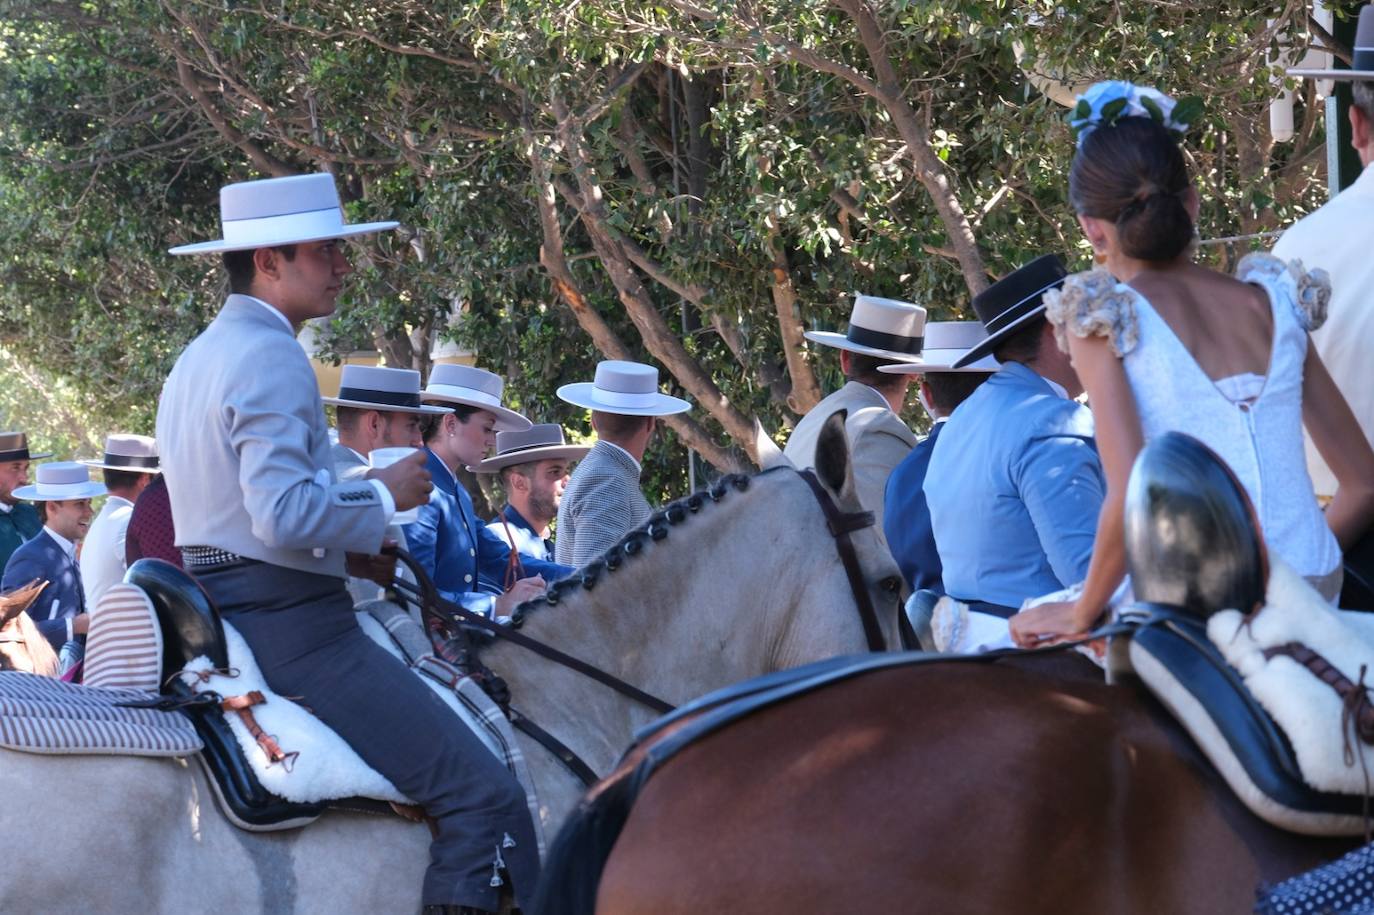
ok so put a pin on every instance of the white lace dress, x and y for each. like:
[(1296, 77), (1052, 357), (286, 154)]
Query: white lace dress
[(1253, 422)]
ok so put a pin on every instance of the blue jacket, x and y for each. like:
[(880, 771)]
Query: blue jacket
[(466, 561), (906, 518), (1014, 488), (43, 559)]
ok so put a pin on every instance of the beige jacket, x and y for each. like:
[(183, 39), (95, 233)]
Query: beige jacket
[(878, 440)]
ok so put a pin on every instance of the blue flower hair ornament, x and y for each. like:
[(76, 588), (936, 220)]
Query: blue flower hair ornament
[(1107, 102)]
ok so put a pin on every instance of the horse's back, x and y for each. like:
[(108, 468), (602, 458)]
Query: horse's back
[(945, 788)]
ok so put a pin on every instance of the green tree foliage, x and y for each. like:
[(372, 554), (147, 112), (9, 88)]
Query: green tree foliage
[(689, 183)]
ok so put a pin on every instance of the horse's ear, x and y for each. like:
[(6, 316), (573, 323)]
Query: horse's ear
[(832, 454), (770, 455)]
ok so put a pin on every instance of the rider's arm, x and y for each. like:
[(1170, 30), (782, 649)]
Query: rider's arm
[(290, 507)]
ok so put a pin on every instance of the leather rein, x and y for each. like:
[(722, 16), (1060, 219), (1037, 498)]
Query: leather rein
[(426, 596)]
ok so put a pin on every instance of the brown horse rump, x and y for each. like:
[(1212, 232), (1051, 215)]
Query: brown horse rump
[(1026, 784), (42, 715)]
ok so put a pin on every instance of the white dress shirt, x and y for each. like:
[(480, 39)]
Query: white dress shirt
[(102, 558)]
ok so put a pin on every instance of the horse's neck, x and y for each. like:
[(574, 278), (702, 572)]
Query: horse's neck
[(748, 584)]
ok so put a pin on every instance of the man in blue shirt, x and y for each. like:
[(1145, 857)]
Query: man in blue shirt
[(942, 387), (1014, 484), (468, 562)]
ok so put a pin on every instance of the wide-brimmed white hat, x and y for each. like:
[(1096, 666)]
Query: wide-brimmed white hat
[(61, 480), (1361, 54), (280, 211), (135, 453), (946, 343), (886, 328), (473, 387), (372, 387), (14, 446), (627, 388), (540, 442)]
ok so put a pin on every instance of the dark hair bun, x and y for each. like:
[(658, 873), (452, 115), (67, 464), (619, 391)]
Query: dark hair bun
[(1158, 228), (1132, 173)]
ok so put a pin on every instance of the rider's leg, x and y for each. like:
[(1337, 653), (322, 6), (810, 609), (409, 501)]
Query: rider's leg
[(312, 648)]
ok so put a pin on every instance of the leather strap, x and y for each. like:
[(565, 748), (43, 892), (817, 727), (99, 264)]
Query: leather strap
[(561, 751), (242, 706), (841, 525), (430, 601)]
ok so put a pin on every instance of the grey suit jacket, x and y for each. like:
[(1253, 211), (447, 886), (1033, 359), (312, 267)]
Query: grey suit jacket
[(601, 504), (246, 453), (878, 440)]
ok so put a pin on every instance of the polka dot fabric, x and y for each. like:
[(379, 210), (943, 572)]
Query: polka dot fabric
[(1343, 887)]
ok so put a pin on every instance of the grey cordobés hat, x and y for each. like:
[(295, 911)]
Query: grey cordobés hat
[(885, 328), (280, 211), (946, 343), (135, 453), (540, 442), (59, 481), (627, 388), (473, 387)]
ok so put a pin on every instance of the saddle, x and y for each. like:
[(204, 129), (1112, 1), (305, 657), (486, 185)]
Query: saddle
[(191, 629), (1208, 589)]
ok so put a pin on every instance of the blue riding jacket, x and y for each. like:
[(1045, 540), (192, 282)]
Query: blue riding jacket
[(466, 561)]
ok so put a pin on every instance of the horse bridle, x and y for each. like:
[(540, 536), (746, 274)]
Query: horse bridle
[(426, 595), (841, 525)]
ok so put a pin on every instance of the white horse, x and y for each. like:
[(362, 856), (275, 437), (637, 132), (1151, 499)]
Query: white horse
[(750, 583)]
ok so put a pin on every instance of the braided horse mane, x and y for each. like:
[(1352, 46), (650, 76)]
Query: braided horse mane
[(633, 543)]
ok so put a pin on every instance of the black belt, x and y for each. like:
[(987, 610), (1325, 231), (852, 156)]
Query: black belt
[(982, 606)]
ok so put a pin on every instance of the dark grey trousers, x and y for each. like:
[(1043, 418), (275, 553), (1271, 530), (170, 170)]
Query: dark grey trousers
[(303, 633)]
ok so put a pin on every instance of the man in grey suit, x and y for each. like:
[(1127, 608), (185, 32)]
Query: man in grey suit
[(376, 408), (881, 331), (264, 525), (603, 502)]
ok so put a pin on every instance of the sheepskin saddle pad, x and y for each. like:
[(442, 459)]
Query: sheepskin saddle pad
[(295, 757), (1279, 701)]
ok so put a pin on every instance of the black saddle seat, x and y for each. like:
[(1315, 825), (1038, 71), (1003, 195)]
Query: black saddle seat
[(187, 616)]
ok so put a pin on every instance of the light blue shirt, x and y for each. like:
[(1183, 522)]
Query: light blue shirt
[(1014, 489)]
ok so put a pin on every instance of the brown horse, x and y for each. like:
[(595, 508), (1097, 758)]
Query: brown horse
[(1022, 785)]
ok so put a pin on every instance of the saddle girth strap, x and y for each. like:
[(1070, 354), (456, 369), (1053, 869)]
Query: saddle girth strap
[(1354, 696), (243, 707)]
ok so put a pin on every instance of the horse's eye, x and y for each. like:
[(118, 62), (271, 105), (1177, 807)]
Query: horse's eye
[(891, 584)]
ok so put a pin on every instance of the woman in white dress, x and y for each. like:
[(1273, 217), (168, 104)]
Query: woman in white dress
[(1163, 344)]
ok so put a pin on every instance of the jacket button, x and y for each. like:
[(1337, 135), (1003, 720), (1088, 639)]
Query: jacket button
[(467, 578), (471, 551)]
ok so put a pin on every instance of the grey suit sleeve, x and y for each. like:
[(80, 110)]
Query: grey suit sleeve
[(270, 420), (1061, 483)]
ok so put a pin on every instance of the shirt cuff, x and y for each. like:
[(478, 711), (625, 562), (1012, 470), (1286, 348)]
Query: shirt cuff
[(483, 604), (71, 634), (388, 503)]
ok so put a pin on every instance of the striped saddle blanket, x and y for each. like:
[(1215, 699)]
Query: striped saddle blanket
[(43, 715)]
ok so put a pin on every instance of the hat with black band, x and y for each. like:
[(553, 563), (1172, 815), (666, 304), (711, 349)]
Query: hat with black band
[(1009, 304), (14, 446), (134, 453), (1361, 54), (372, 387), (884, 328), (540, 442)]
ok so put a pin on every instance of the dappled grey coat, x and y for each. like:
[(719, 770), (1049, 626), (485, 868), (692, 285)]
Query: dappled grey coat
[(603, 502)]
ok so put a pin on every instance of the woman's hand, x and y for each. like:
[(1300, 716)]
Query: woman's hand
[(1049, 624)]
